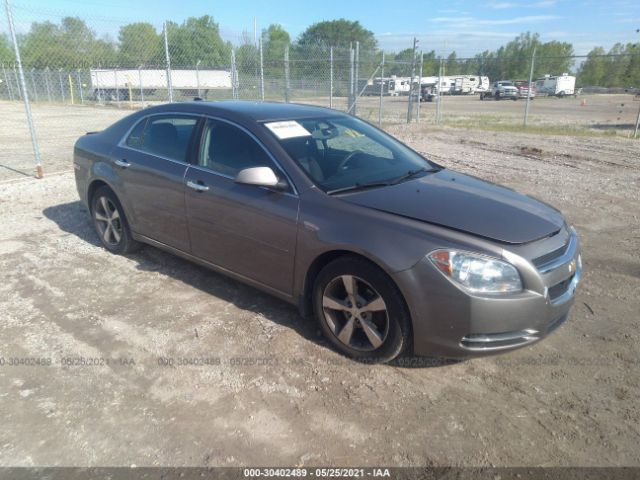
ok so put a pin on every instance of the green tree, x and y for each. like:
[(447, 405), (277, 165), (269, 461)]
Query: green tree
[(6, 52), (399, 64), (275, 40), (593, 70), (451, 65), (72, 44), (197, 39), (338, 33), (139, 44)]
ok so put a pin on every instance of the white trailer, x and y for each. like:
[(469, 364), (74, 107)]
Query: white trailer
[(459, 84), (556, 85), (399, 85), (119, 84)]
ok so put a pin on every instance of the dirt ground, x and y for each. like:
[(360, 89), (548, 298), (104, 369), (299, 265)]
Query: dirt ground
[(97, 351)]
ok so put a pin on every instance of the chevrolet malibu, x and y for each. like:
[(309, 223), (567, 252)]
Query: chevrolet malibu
[(389, 251)]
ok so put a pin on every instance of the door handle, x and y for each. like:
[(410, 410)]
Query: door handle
[(197, 186), (122, 163)]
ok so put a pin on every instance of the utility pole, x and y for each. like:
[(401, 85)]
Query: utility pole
[(413, 74)]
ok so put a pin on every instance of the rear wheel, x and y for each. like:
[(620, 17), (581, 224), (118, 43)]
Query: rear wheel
[(110, 222), (361, 311)]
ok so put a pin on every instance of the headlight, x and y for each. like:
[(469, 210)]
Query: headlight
[(477, 273)]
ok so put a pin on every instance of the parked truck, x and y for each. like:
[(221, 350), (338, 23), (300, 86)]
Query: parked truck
[(500, 90), (556, 85), (120, 84)]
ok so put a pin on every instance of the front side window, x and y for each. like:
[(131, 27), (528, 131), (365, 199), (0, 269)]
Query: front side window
[(343, 152), (167, 136), (226, 150)]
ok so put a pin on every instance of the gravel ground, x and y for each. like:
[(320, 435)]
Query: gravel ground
[(268, 390)]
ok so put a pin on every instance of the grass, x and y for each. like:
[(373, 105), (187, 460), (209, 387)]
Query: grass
[(515, 125)]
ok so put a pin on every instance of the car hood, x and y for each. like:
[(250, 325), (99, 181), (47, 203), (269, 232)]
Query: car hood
[(467, 204)]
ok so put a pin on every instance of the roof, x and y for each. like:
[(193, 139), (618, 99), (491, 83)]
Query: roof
[(250, 110)]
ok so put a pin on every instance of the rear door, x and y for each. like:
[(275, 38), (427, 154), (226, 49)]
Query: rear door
[(245, 229), (152, 162)]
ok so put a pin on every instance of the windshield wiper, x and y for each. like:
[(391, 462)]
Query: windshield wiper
[(395, 181), (358, 186), (409, 174)]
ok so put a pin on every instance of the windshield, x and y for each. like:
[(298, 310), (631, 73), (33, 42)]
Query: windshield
[(342, 152)]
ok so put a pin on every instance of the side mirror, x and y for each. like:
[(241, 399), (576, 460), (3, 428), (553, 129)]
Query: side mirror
[(260, 177)]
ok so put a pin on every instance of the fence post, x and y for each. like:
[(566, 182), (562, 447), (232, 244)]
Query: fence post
[(140, 85), (64, 100), (330, 77), (287, 85), (419, 87), (351, 72), (46, 83), (198, 76), (168, 61), (413, 74), (71, 89), (635, 131), (15, 76), (6, 80), (261, 72), (25, 95), (33, 84), (381, 90), (526, 107), (439, 91), (115, 78), (234, 82), (356, 70), (80, 86)]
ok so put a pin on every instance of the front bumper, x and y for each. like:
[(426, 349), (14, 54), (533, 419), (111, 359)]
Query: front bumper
[(451, 322)]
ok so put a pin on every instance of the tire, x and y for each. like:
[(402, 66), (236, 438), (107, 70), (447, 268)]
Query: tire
[(376, 334), (111, 223), (515, 99), (497, 96)]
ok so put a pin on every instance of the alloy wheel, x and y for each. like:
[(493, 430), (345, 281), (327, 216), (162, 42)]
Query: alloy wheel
[(355, 313), (108, 221)]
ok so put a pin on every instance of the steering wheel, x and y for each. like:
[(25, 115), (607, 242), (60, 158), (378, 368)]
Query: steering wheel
[(347, 159)]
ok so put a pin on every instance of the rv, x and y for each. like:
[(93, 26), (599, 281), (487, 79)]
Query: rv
[(120, 84), (559, 85)]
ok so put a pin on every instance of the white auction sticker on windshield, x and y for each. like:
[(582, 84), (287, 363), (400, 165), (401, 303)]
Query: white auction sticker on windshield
[(288, 129)]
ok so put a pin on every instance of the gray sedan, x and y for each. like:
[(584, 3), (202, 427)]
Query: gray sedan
[(389, 251)]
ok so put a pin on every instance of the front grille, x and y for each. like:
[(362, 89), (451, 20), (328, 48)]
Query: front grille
[(547, 258), (560, 288)]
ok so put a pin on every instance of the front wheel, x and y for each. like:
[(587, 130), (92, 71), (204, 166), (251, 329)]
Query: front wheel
[(110, 222), (361, 311)]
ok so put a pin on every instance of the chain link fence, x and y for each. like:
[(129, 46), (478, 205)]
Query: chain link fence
[(65, 62)]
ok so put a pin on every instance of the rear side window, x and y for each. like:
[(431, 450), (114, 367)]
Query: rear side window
[(135, 137), (167, 136)]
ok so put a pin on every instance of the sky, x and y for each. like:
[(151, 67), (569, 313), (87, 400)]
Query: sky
[(467, 27)]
